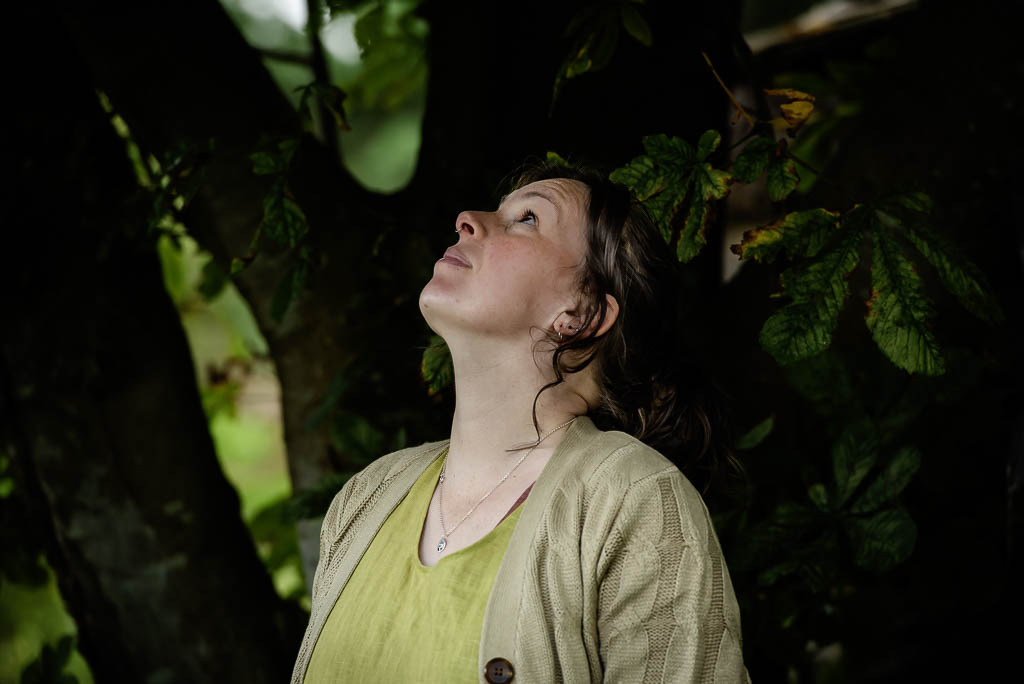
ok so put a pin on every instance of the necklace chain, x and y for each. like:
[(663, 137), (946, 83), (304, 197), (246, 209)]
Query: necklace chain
[(440, 482)]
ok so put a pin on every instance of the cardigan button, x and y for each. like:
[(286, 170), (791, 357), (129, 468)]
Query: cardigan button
[(499, 671)]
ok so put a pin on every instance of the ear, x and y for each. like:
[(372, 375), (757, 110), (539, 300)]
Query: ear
[(611, 314)]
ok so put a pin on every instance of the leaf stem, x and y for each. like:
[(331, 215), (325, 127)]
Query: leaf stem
[(820, 175), (728, 92), (750, 134)]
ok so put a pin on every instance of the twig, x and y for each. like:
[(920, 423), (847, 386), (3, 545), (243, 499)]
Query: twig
[(728, 92), (285, 56), (320, 74), (821, 176)]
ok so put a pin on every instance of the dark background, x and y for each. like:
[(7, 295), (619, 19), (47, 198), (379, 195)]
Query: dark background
[(110, 471)]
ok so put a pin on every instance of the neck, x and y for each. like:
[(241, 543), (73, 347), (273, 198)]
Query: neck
[(494, 395)]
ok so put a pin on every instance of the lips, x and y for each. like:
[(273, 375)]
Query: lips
[(452, 253)]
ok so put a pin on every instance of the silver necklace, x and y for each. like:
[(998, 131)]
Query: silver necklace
[(440, 483)]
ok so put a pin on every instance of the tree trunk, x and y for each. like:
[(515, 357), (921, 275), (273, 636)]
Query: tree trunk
[(101, 410)]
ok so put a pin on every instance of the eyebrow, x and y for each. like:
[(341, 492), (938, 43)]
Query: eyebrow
[(542, 195)]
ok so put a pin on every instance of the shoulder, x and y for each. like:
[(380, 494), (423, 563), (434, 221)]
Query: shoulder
[(391, 465), (380, 472), (640, 490)]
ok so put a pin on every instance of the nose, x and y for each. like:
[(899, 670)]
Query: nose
[(467, 221)]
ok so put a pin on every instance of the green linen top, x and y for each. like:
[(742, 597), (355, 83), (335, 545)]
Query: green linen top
[(429, 629)]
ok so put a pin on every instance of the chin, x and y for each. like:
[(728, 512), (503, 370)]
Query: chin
[(429, 308)]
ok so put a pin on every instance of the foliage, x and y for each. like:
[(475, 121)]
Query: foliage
[(594, 35), (284, 223), (21, 561), (437, 367), (49, 668), (392, 42), (678, 185)]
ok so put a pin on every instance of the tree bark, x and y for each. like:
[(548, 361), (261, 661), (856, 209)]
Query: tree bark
[(101, 411)]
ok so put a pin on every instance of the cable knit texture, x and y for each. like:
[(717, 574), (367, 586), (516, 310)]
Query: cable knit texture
[(614, 572)]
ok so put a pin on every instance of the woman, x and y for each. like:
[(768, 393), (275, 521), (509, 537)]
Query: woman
[(549, 539)]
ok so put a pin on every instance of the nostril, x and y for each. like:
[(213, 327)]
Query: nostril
[(462, 222)]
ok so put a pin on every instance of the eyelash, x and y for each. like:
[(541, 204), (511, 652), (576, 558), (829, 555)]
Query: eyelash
[(526, 213)]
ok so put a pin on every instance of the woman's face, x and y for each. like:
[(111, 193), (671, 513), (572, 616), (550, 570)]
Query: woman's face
[(521, 264)]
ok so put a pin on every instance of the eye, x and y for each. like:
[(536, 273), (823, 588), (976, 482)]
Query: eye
[(528, 214)]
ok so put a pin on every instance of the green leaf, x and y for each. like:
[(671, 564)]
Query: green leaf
[(790, 514), (883, 540), (819, 496), (674, 154), (289, 289), (853, 454), (265, 164), (673, 175), (824, 381), (890, 482), (958, 274), (756, 434), (799, 233), (436, 367), (237, 266), (368, 28), (782, 177), (636, 25), (660, 178), (754, 159), (353, 434), (333, 98), (783, 527), (212, 281), (602, 48), (898, 310), (708, 185), (707, 144), (48, 668), (771, 575), (819, 289), (595, 30), (693, 238), (556, 158), (641, 176), (819, 561), (915, 201), (283, 219)]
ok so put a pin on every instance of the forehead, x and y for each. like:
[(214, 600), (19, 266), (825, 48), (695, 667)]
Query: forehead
[(566, 194)]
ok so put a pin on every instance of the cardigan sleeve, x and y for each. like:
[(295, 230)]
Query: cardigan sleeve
[(666, 607), (329, 530)]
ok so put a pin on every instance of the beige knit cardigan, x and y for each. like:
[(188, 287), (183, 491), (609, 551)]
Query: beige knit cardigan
[(613, 572)]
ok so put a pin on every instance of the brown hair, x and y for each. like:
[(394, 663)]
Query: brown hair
[(648, 386)]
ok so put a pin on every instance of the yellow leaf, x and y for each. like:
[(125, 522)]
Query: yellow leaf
[(790, 93), (796, 113)]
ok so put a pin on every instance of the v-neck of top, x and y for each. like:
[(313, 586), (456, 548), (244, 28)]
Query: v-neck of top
[(430, 476), (399, 620)]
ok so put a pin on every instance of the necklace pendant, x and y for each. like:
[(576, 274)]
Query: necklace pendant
[(441, 544)]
